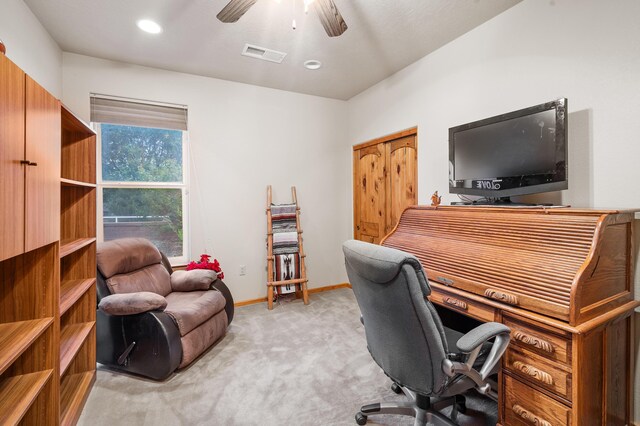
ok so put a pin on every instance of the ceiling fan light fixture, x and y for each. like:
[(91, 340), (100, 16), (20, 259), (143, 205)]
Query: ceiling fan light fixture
[(149, 26), (328, 14), (312, 64)]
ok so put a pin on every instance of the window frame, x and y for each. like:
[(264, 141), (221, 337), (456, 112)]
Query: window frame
[(184, 186)]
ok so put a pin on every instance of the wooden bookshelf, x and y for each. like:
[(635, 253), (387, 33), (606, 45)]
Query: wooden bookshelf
[(71, 339), (71, 245), (78, 203), (18, 336), (74, 391), (28, 338), (78, 149), (77, 295), (47, 255), (29, 233), (72, 290), (18, 393)]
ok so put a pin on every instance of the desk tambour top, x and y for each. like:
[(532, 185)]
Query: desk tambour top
[(569, 264)]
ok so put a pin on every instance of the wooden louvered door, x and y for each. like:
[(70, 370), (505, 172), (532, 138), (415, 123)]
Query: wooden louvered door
[(384, 183)]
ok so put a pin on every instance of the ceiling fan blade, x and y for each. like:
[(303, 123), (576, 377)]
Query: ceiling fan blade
[(234, 10), (331, 19)]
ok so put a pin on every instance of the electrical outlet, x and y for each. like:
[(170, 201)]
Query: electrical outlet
[(243, 269)]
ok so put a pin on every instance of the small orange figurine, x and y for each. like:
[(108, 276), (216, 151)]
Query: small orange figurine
[(435, 199)]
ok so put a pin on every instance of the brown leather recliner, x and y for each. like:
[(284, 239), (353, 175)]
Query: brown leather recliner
[(156, 342)]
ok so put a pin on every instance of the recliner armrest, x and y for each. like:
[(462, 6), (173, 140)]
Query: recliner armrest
[(480, 335), (132, 303)]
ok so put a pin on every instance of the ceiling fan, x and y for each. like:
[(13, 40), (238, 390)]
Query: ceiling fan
[(327, 11)]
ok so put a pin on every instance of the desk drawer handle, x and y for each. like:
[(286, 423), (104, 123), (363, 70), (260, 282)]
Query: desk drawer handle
[(501, 296), (455, 302), (530, 340), (533, 372), (529, 416)]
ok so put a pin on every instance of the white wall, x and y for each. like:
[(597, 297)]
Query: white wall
[(243, 138), (30, 46), (585, 50)]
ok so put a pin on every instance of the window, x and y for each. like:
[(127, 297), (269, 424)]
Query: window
[(142, 178)]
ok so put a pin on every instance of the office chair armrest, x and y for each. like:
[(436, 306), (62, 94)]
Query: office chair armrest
[(471, 343), (480, 335)]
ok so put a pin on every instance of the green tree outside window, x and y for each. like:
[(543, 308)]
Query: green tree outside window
[(145, 155)]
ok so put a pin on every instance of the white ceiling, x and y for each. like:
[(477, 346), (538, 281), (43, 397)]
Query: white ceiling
[(383, 37)]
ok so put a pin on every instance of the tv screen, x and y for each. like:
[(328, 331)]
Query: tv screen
[(522, 152)]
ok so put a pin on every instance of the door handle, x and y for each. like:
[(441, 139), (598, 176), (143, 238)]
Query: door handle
[(28, 163)]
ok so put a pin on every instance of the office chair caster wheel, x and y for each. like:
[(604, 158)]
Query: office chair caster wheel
[(396, 388), (361, 419)]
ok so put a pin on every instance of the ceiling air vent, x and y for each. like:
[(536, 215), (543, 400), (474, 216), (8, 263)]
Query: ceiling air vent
[(263, 53)]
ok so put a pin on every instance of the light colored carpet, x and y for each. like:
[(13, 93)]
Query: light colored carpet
[(295, 365)]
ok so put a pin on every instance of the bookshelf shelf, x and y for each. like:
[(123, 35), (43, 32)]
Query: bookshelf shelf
[(72, 290), (71, 339), (18, 393), (74, 391), (76, 183), (69, 246), (18, 336)]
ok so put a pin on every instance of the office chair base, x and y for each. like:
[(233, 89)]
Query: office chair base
[(418, 407)]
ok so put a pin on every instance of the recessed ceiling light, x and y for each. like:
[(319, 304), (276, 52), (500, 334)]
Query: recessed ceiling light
[(149, 26), (312, 64)]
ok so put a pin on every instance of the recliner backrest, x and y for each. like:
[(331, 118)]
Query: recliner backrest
[(130, 265), (404, 333)]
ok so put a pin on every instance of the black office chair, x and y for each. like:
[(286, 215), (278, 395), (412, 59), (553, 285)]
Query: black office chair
[(408, 341)]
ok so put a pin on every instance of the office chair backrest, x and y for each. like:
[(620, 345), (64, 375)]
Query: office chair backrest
[(404, 333)]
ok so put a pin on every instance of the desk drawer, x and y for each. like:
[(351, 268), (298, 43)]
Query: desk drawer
[(463, 305), (537, 370), (539, 340), (525, 406)]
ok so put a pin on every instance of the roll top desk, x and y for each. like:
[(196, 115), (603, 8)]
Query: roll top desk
[(561, 279)]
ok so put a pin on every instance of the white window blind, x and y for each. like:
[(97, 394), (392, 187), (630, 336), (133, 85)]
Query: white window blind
[(132, 112)]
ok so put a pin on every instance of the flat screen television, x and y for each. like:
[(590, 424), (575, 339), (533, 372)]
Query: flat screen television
[(522, 152)]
